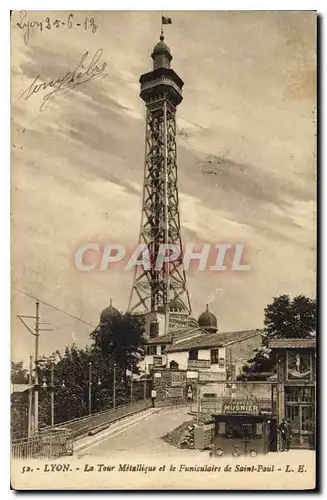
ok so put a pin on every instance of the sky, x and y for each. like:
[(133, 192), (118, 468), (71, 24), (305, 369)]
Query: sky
[(248, 116)]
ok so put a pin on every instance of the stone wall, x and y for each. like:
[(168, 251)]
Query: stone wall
[(179, 387), (173, 387)]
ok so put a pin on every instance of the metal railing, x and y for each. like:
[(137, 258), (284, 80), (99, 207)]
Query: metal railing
[(45, 445), (58, 440), (82, 425)]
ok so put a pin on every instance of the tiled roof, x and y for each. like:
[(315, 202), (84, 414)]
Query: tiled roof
[(292, 343), (213, 340), (176, 335), (163, 339)]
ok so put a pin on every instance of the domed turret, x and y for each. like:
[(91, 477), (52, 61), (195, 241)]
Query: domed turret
[(109, 313), (208, 321), (161, 55)]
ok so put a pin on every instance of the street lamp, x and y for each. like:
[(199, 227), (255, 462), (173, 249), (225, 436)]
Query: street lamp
[(90, 388), (52, 387), (114, 388)]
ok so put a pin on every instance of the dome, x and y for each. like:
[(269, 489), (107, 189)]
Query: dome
[(109, 313), (208, 321), (161, 55), (160, 47)]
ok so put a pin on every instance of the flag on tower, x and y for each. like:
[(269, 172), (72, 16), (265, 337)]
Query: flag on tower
[(166, 20)]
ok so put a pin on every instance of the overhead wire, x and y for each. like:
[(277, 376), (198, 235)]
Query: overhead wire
[(56, 308)]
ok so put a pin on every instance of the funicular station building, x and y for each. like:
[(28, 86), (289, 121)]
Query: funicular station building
[(243, 417)]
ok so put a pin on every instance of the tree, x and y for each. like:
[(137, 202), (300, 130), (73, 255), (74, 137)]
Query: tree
[(121, 339), (72, 383), (19, 375), (19, 401), (287, 318), (284, 318)]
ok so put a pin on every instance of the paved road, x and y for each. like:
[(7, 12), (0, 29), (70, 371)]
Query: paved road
[(140, 434)]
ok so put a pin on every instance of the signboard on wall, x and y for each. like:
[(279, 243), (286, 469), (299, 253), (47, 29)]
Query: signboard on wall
[(238, 406), (157, 361), (211, 376), (175, 392), (198, 364), (178, 379)]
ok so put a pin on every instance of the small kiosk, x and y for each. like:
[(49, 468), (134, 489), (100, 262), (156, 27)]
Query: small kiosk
[(242, 429)]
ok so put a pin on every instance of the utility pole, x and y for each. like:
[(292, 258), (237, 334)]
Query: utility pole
[(114, 388), (36, 360), (52, 394), (144, 388), (198, 399), (30, 400), (90, 388), (36, 334), (145, 380), (131, 385)]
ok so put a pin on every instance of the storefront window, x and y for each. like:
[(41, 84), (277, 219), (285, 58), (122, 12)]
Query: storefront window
[(299, 412), (239, 430), (299, 394)]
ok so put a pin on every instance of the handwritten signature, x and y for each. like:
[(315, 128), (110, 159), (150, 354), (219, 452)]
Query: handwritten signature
[(81, 74)]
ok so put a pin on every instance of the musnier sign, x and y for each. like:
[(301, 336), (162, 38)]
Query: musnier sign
[(240, 407)]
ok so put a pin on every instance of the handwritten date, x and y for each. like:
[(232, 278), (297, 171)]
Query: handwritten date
[(47, 23)]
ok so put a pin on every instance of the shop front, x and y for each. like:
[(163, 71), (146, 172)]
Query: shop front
[(243, 429), (296, 381)]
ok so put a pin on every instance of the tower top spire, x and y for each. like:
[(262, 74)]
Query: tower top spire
[(161, 54)]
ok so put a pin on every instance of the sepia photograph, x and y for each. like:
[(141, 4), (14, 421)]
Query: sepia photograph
[(163, 250)]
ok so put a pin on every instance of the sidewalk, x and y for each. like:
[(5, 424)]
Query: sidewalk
[(113, 429)]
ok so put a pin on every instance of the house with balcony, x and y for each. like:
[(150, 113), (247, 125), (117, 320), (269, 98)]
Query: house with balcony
[(178, 342), (197, 346), (223, 353)]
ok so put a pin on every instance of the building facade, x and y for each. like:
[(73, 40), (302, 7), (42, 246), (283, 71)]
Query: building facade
[(296, 388)]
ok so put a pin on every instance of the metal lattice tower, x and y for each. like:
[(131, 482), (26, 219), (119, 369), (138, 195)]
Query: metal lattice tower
[(161, 90)]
